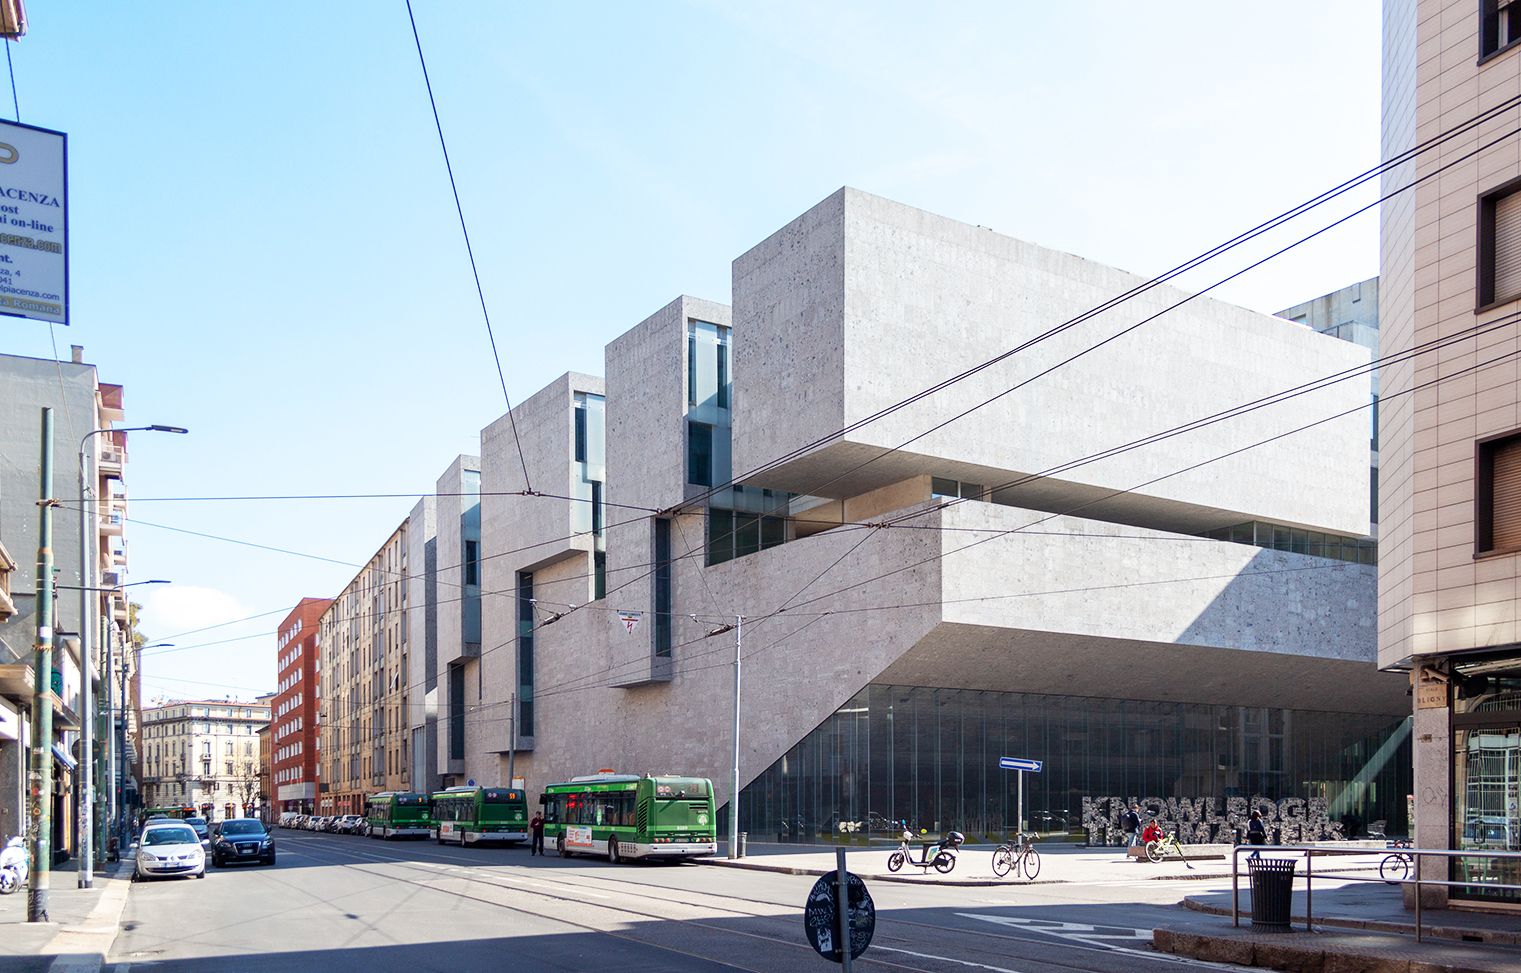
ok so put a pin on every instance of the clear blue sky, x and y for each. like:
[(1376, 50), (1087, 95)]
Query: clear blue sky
[(264, 248)]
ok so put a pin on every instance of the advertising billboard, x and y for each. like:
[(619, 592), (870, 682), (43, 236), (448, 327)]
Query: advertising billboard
[(34, 223)]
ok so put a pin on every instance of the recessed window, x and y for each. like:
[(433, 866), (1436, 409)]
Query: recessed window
[(1499, 25), (1500, 245), (699, 453), (1498, 520)]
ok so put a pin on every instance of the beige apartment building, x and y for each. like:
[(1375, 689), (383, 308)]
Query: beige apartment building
[(1450, 428), (362, 684), (205, 754)]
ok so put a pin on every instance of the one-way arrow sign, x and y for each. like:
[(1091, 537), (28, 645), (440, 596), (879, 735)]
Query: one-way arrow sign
[(1019, 763)]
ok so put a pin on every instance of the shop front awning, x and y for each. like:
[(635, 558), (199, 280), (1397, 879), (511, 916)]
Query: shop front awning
[(64, 757)]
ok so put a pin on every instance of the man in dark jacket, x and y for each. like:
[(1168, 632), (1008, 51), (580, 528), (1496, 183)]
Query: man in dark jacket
[(536, 829), (1130, 823)]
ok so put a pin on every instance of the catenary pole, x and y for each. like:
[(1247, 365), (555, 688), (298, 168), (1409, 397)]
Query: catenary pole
[(512, 736), (739, 643), (84, 794), (41, 778)]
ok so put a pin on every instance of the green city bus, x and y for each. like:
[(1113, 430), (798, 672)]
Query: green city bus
[(398, 814), (471, 815), (624, 816), (176, 811)]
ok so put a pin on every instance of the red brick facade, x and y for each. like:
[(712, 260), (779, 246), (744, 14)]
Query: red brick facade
[(293, 716)]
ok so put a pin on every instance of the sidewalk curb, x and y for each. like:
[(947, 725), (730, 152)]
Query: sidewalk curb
[(83, 948), (1493, 937), (926, 880)]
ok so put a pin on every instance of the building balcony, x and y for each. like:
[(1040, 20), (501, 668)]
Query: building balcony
[(111, 405), (112, 460), (113, 516)]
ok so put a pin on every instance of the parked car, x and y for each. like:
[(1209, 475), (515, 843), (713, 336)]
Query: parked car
[(350, 824), (242, 840), (201, 828), (171, 848)]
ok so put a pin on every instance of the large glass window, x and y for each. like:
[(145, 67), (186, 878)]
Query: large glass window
[(662, 592), (699, 453), (930, 757), (1486, 776)]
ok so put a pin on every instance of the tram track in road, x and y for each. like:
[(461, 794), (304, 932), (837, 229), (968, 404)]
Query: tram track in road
[(555, 884)]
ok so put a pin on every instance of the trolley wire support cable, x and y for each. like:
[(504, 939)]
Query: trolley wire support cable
[(1267, 225), (469, 250)]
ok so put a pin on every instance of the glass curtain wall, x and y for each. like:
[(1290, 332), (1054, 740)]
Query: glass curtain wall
[(930, 756), (1486, 776), (590, 456)]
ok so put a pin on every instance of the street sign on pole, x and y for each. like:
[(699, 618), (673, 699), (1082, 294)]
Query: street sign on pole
[(1021, 764), (829, 927)]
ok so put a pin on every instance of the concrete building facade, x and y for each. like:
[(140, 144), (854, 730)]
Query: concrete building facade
[(204, 754), (293, 732), (81, 404), (362, 683), (1450, 424), (924, 591)]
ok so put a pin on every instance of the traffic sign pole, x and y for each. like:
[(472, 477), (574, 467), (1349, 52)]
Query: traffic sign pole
[(1020, 807), (842, 906)]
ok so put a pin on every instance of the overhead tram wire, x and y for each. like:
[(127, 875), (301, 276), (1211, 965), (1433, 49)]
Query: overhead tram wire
[(1290, 214), (1185, 300), (1404, 157), (1471, 333), (1338, 565), (1150, 318), (469, 250)]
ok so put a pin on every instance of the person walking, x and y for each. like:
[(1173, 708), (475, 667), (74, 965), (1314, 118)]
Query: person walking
[(536, 829), (1256, 833), (1130, 823)]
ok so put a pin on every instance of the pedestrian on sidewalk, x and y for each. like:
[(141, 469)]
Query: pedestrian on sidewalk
[(536, 829), (1256, 833), (1130, 823)]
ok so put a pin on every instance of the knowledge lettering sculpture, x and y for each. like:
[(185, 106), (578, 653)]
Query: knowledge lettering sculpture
[(1203, 820)]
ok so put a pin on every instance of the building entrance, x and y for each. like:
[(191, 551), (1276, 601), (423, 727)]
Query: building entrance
[(1486, 777)]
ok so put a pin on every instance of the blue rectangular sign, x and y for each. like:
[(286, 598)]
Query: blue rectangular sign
[(1019, 763)]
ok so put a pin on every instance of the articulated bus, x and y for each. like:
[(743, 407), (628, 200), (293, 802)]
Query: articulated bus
[(471, 815), (177, 811), (398, 814), (623, 816)]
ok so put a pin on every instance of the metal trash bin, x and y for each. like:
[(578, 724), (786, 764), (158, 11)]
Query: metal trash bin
[(1272, 892), (744, 840)]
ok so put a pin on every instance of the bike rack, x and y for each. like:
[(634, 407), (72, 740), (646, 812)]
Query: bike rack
[(1415, 854)]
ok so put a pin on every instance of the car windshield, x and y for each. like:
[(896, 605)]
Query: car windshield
[(242, 827), (170, 836), (196, 822)]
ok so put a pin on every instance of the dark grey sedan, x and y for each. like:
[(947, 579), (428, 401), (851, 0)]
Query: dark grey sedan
[(242, 840)]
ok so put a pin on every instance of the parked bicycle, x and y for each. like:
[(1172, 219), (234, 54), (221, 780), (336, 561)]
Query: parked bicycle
[(1017, 855), (1396, 867), (1158, 848)]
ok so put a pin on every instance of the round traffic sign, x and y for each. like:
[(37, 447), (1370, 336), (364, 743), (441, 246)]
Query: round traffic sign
[(822, 923)]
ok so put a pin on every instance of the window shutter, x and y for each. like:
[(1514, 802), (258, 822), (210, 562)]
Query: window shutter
[(1508, 247), (1505, 493)]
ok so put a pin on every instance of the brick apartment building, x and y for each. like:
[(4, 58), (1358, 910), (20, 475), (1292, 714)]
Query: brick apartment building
[(293, 717)]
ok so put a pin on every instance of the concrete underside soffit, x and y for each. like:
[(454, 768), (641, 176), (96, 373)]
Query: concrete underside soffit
[(958, 656)]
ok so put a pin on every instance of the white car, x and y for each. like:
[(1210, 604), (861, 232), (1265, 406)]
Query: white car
[(170, 848)]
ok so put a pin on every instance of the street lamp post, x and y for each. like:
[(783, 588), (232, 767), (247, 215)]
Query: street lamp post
[(108, 739), (88, 525)]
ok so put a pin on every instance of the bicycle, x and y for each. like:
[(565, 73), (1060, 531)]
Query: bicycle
[(1159, 848), (1396, 867), (1017, 855)]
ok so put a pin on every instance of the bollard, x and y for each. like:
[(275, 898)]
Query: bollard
[(744, 840)]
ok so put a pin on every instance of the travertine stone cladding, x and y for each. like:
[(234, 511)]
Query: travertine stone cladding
[(862, 302)]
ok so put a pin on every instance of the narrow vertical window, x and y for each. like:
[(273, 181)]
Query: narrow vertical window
[(699, 453), (662, 592), (1498, 498), (1499, 257), (525, 654), (472, 562)]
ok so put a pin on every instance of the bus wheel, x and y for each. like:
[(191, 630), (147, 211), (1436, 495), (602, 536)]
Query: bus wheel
[(560, 844), (612, 852)]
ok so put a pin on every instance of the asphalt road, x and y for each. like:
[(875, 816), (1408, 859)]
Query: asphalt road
[(335, 903)]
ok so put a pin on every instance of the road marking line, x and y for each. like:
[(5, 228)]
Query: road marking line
[(947, 959)]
